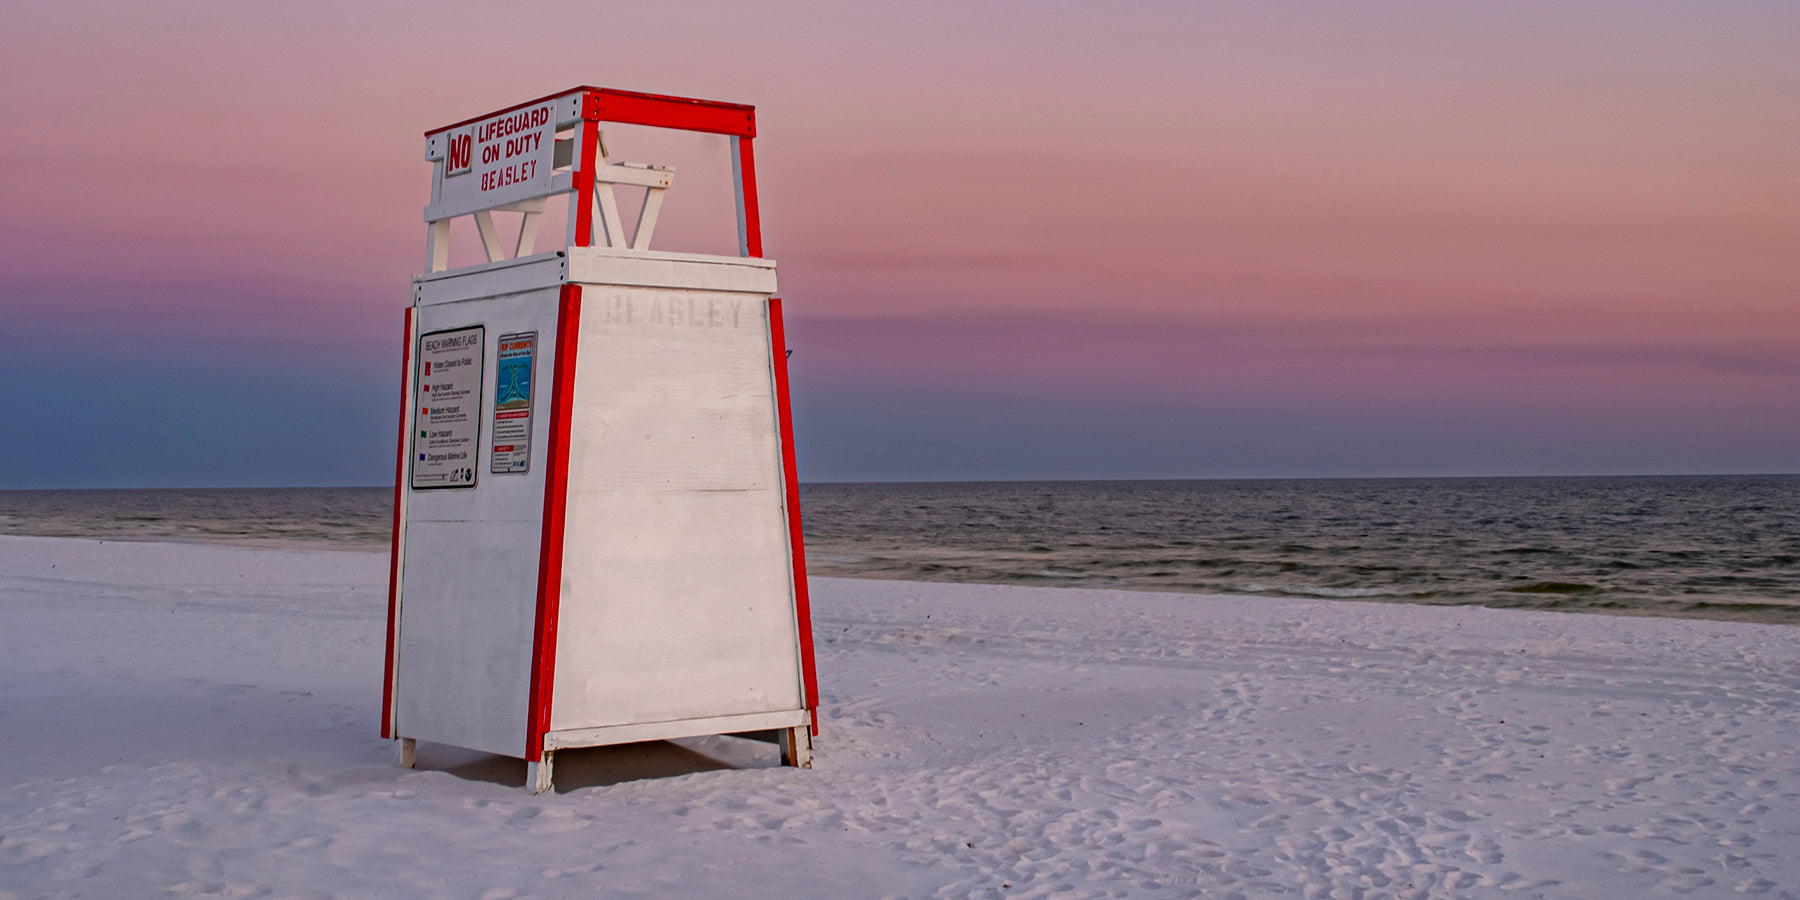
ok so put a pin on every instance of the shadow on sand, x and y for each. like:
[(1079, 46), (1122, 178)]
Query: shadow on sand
[(586, 767)]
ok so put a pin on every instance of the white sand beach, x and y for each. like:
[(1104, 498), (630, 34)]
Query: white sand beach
[(202, 720)]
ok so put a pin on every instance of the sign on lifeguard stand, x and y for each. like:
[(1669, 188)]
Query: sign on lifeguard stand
[(596, 513)]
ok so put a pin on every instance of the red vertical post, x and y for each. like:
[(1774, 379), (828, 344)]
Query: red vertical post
[(789, 469), (796, 531), (393, 612), (585, 160), (556, 498)]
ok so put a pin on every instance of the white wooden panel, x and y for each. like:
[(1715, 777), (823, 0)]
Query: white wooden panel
[(648, 268), (676, 600), (640, 174), (753, 262), (488, 279), (662, 731), (466, 628), (469, 605)]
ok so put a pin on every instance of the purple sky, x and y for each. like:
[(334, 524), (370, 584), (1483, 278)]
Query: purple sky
[(1016, 240)]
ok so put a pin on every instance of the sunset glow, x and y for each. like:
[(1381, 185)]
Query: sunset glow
[(1015, 240)]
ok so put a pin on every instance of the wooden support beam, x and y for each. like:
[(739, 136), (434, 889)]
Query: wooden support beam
[(437, 246), (796, 747), (646, 223), (490, 238), (528, 228), (538, 774), (609, 215)]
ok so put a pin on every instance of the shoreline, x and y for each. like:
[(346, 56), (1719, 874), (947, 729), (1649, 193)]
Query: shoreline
[(1748, 617), (1778, 612)]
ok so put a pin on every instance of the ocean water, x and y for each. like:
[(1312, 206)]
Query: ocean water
[(1710, 546), (1716, 547), (351, 518)]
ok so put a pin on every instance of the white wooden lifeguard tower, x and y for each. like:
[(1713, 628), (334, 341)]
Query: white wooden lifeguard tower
[(596, 515)]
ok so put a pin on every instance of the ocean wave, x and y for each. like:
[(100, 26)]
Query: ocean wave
[(1553, 587), (1335, 593)]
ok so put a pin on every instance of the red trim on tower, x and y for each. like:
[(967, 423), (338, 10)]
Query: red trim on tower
[(789, 470), (584, 185), (393, 612), (556, 498), (796, 532), (635, 108), (630, 108)]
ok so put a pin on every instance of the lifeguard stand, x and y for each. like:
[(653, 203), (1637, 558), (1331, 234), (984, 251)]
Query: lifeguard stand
[(596, 513)]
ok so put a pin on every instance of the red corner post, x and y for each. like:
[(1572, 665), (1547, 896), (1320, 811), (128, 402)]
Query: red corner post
[(556, 502), (393, 615), (586, 157), (789, 469), (796, 531)]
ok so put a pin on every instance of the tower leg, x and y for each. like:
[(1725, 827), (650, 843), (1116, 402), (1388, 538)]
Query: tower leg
[(409, 753), (537, 774), (796, 747)]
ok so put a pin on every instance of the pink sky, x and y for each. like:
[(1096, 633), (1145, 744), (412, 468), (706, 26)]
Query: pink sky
[(1475, 226)]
